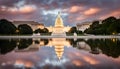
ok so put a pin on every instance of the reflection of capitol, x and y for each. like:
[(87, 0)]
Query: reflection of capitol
[(59, 44)]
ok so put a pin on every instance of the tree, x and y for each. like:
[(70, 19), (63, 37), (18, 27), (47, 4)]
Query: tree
[(79, 32), (108, 47), (72, 30), (95, 24), (109, 26), (7, 45), (45, 30), (94, 28), (38, 31), (6, 27), (109, 20), (118, 26), (24, 43), (25, 29)]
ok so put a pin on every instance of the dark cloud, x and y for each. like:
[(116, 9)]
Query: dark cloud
[(8, 3), (76, 10)]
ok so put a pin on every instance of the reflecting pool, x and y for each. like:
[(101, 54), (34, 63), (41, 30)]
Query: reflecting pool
[(59, 53)]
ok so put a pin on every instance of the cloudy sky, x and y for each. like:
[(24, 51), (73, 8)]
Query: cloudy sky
[(45, 11)]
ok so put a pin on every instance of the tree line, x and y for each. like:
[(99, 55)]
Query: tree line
[(7, 46), (108, 26), (109, 47), (8, 28), (74, 30)]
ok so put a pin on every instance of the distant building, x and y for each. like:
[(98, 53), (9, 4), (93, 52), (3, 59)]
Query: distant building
[(32, 24), (83, 26)]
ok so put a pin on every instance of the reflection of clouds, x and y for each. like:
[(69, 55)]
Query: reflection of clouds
[(77, 62), (80, 58), (53, 62), (87, 58), (22, 63), (90, 60), (19, 63)]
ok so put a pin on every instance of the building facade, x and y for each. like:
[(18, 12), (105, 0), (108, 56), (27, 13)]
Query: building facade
[(83, 26), (59, 28)]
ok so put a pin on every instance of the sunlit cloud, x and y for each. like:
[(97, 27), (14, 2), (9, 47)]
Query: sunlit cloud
[(80, 18), (79, 10), (27, 8), (22, 9), (91, 11), (115, 13), (75, 9), (3, 8), (13, 9)]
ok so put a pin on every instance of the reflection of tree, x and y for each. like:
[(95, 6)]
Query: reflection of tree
[(24, 43), (7, 45), (37, 41), (74, 42), (108, 46), (10, 44), (45, 41)]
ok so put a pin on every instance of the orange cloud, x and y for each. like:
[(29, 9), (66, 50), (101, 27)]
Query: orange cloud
[(77, 62), (75, 9), (114, 13), (80, 18), (91, 11), (22, 9), (27, 9), (13, 9), (90, 60)]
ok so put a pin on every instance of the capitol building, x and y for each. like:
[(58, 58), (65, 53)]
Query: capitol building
[(58, 29)]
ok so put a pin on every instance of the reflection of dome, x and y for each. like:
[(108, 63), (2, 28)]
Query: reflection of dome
[(59, 50), (59, 44)]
